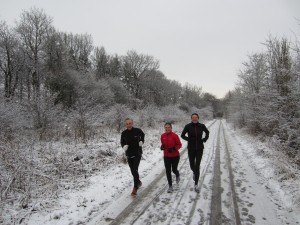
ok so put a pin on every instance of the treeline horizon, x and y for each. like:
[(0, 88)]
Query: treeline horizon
[(43, 69), (35, 58)]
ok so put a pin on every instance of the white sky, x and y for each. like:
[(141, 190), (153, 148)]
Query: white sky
[(201, 42)]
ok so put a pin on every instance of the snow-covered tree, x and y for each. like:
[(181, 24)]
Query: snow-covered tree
[(135, 66), (33, 27), (11, 60), (100, 63)]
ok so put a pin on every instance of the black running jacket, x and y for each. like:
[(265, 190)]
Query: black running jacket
[(132, 138), (194, 138)]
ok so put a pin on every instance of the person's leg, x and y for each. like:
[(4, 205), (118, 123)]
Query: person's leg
[(131, 166), (175, 161), (192, 157), (134, 165), (167, 162), (135, 174), (137, 169), (197, 165)]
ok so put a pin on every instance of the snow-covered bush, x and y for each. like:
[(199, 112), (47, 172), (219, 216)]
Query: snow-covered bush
[(116, 115), (266, 99), (173, 114), (149, 116)]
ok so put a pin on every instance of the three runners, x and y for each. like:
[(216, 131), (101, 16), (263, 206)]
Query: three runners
[(132, 140)]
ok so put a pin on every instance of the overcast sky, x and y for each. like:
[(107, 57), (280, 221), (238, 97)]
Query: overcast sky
[(201, 42)]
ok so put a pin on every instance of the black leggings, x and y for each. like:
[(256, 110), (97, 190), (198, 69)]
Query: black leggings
[(171, 163), (134, 167), (195, 159)]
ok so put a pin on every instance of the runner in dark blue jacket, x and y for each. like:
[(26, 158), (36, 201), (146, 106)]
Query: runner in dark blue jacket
[(195, 145)]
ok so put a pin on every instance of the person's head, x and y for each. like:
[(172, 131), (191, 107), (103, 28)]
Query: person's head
[(128, 123), (195, 118), (168, 127)]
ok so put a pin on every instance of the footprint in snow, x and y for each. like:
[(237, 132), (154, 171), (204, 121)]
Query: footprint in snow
[(243, 189), (250, 204)]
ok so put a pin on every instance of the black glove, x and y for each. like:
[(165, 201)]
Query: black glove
[(171, 149), (162, 147)]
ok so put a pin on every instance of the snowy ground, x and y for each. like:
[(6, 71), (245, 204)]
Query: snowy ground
[(115, 183), (262, 170), (234, 189)]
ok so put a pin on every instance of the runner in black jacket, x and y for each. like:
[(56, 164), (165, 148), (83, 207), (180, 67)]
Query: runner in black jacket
[(195, 145), (132, 140)]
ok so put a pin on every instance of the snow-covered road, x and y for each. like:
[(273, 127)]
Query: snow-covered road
[(230, 192)]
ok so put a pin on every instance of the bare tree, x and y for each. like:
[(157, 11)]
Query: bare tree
[(192, 95), (280, 63), (134, 66), (11, 59), (266, 99), (33, 27), (115, 65), (100, 62), (253, 80), (79, 47), (157, 89), (55, 53)]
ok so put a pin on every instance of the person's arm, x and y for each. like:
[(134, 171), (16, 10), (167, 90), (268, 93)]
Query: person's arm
[(206, 133), (142, 136), (162, 147), (183, 136), (178, 144), (123, 140)]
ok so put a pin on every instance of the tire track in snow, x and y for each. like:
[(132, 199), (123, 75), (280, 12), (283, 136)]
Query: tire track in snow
[(162, 191), (217, 214), (216, 204), (254, 204), (234, 196)]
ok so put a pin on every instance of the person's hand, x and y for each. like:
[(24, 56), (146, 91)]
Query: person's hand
[(141, 143), (162, 147), (125, 147)]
